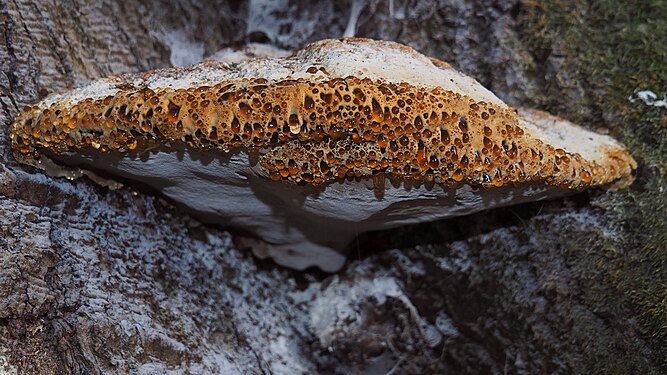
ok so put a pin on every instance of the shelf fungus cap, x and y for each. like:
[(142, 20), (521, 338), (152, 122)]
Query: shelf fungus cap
[(308, 150)]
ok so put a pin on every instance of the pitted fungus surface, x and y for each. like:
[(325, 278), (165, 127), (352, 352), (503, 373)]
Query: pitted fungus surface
[(318, 129)]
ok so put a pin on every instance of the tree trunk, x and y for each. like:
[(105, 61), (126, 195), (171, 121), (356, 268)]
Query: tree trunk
[(99, 281)]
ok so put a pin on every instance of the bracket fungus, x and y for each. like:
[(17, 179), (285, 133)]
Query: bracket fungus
[(306, 151)]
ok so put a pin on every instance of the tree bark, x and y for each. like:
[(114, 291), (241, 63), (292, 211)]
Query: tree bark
[(99, 281)]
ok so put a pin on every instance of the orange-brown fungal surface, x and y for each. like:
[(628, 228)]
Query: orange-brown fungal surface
[(299, 139), (317, 127)]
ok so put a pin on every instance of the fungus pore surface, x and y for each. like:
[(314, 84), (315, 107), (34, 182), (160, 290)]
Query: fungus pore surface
[(308, 150)]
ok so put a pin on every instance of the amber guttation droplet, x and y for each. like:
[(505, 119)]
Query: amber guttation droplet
[(421, 152), (308, 102), (324, 167), (463, 124), (487, 143), (245, 109), (173, 111), (378, 115), (433, 162), (312, 70), (444, 136), (433, 118), (293, 120), (393, 146), (382, 141), (359, 95), (498, 179), (247, 129), (586, 177), (273, 124), (486, 178), (292, 167), (275, 176), (419, 125), (236, 125)]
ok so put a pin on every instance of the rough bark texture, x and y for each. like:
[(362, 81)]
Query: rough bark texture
[(98, 281)]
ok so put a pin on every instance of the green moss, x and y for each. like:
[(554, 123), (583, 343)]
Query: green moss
[(607, 50)]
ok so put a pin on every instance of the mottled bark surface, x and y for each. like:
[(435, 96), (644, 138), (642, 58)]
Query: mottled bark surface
[(99, 281)]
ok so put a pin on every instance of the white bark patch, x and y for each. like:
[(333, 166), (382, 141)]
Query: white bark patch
[(6, 368), (183, 51)]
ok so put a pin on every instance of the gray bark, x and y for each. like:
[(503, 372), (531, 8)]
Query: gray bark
[(99, 281)]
